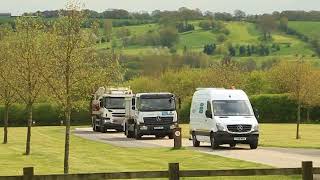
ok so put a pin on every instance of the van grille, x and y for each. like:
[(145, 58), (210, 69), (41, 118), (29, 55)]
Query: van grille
[(239, 128), (157, 120)]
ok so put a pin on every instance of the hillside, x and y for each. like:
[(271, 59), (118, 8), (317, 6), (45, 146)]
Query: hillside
[(240, 33), (309, 28)]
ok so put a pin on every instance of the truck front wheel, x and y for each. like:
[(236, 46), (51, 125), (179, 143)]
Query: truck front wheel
[(137, 134), (103, 129)]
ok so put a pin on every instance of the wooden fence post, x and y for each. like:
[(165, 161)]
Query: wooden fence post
[(177, 138), (174, 171), (28, 173), (307, 170)]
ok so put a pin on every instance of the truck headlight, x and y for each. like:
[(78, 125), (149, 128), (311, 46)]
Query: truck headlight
[(143, 127), (173, 126), (255, 127), (221, 127)]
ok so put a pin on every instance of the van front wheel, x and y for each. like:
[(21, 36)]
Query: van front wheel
[(254, 145), (213, 142), (195, 142)]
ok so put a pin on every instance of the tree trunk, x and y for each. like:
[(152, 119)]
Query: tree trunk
[(6, 124), (29, 111), (67, 141), (298, 121)]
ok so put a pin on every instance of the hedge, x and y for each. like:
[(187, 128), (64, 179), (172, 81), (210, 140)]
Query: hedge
[(44, 114), (272, 108)]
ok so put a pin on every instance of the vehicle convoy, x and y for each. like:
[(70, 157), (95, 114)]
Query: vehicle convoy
[(150, 114), (108, 108), (223, 116)]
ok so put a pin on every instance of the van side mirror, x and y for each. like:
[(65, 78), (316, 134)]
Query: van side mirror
[(208, 113), (256, 113)]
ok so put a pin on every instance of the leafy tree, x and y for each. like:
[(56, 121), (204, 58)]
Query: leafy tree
[(232, 50), (221, 38), (123, 34), (267, 25), (284, 24), (239, 15), (256, 82), (294, 78), (249, 50), (27, 49), (70, 69), (242, 50), (168, 36), (209, 49), (107, 29), (205, 25), (7, 94)]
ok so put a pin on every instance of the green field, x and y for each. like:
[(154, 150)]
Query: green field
[(283, 135), (311, 29), (240, 33), (88, 156)]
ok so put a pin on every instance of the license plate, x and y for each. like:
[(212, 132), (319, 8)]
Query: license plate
[(158, 127), (240, 138)]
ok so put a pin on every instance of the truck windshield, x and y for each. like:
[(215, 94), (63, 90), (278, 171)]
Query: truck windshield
[(114, 103), (157, 104), (232, 108)]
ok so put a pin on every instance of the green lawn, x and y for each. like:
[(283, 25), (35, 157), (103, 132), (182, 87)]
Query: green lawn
[(242, 33), (89, 156), (308, 28), (283, 135)]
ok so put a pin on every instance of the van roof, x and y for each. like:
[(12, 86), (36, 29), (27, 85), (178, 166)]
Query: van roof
[(223, 94)]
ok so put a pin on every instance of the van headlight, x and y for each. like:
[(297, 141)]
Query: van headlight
[(255, 127), (221, 127)]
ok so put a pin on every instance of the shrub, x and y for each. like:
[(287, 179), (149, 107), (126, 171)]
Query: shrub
[(48, 114)]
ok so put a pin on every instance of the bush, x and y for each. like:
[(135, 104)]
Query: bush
[(45, 114), (221, 38), (184, 112), (279, 108)]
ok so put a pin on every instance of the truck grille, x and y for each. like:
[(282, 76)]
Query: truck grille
[(239, 128), (157, 120), (118, 114)]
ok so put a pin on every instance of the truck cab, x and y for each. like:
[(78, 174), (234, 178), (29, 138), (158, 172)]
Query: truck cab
[(223, 116), (108, 109), (151, 114)]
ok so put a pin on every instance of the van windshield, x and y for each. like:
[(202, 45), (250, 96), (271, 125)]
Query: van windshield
[(232, 108), (114, 102), (156, 104)]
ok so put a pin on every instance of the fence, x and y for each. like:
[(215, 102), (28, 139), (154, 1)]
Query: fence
[(174, 173)]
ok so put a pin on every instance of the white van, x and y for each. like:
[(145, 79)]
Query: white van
[(223, 116)]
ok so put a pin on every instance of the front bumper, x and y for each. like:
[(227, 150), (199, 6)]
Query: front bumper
[(110, 125), (159, 129), (223, 137)]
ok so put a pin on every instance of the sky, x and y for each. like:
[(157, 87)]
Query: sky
[(18, 7)]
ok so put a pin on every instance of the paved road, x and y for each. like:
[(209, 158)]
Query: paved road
[(276, 157)]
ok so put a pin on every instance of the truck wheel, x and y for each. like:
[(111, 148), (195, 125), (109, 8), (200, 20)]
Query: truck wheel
[(254, 145), (195, 142), (232, 145), (159, 137), (213, 142), (170, 136), (97, 128), (103, 129), (137, 134), (128, 133)]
